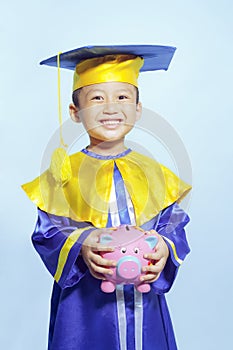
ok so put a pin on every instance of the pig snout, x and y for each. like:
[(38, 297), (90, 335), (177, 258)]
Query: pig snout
[(128, 267)]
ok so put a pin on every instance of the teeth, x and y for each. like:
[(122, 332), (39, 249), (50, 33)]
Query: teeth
[(110, 122)]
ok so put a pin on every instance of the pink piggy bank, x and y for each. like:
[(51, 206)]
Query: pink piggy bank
[(130, 244)]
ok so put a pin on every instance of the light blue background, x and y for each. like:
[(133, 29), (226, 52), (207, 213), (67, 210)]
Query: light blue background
[(195, 96)]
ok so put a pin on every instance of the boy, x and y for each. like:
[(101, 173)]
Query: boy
[(107, 185)]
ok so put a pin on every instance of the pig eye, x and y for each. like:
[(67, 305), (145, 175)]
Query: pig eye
[(123, 250), (136, 250)]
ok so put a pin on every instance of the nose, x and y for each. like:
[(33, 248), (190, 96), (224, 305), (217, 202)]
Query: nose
[(110, 108), (128, 267)]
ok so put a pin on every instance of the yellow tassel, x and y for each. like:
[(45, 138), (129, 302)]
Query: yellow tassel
[(60, 166)]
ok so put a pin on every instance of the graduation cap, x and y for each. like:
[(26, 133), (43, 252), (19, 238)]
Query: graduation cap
[(97, 64)]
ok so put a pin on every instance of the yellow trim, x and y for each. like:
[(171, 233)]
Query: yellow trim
[(174, 250), (69, 243)]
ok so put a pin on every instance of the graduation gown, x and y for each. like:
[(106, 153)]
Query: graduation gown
[(82, 316)]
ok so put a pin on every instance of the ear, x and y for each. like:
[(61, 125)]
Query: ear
[(151, 241), (105, 239), (138, 111), (74, 113)]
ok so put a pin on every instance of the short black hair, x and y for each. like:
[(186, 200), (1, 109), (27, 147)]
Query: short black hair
[(75, 96)]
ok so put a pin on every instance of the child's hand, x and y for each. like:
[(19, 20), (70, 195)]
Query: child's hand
[(158, 258), (97, 265)]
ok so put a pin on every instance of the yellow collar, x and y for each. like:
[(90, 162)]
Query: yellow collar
[(85, 197)]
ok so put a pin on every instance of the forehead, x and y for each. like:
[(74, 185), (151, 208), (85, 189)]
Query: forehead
[(109, 87)]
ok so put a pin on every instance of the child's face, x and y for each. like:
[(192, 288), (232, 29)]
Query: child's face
[(108, 111)]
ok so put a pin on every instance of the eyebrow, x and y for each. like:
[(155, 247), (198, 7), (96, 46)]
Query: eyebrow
[(95, 90), (124, 90)]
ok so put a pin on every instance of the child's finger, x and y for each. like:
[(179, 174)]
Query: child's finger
[(154, 268), (99, 276), (100, 261), (150, 277), (157, 255), (100, 270), (98, 266), (100, 248)]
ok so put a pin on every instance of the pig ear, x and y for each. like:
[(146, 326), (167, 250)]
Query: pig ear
[(105, 239), (151, 241)]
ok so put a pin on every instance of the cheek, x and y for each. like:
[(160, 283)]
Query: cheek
[(127, 127), (130, 113), (129, 108), (90, 115), (86, 117)]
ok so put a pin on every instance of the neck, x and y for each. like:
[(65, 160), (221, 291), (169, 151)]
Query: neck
[(106, 148)]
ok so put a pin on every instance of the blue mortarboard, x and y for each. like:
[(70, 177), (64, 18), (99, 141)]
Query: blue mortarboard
[(156, 57), (98, 64)]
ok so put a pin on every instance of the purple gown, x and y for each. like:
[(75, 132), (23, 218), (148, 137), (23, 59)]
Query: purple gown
[(82, 316)]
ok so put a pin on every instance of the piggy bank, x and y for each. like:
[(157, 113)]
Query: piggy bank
[(130, 243)]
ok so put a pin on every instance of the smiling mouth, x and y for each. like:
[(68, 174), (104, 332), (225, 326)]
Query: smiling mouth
[(111, 121)]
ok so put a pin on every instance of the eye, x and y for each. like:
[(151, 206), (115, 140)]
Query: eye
[(123, 250), (136, 250), (97, 98), (123, 97)]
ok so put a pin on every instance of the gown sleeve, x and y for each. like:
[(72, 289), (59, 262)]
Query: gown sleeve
[(170, 226), (58, 240)]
